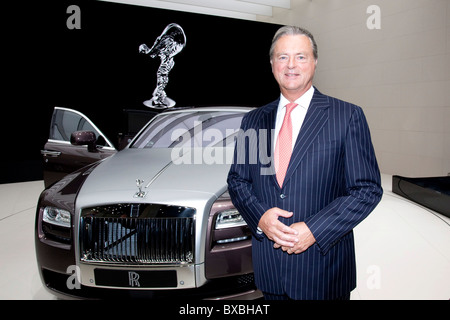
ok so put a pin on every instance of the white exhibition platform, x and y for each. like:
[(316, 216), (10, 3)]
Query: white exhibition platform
[(403, 250)]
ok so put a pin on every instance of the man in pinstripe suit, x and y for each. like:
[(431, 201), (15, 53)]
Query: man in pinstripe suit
[(303, 245)]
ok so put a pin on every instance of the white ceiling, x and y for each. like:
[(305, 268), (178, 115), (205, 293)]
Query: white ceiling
[(241, 9)]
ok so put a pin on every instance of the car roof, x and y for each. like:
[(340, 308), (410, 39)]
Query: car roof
[(207, 108)]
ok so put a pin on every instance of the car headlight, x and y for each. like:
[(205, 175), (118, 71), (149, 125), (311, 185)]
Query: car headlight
[(228, 241), (57, 217), (229, 219)]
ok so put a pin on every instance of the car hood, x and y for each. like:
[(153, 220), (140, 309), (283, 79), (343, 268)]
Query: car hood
[(114, 180)]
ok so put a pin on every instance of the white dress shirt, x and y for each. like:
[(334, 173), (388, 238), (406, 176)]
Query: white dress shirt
[(297, 115)]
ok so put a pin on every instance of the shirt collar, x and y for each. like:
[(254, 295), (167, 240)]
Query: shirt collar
[(304, 101)]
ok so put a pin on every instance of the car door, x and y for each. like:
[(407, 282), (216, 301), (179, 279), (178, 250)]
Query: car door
[(60, 157)]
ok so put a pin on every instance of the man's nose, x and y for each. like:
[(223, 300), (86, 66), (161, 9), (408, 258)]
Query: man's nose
[(291, 62)]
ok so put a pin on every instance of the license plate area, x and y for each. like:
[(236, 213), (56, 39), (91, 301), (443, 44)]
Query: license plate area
[(135, 278)]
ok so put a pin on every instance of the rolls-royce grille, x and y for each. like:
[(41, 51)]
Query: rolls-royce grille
[(137, 234)]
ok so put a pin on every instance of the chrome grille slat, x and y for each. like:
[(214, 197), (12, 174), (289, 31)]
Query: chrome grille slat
[(124, 234)]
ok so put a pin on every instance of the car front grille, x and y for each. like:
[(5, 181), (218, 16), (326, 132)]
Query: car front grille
[(137, 234)]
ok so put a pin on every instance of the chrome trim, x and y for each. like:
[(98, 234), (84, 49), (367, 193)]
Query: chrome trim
[(188, 275), (68, 143), (48, 153), (137, 233), (185, 275), (158, 174)]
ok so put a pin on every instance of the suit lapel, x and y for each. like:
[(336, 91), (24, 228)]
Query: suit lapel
[(269, 122), (315, 119)]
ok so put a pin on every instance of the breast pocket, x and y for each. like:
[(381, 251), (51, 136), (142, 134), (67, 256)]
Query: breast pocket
[(325, 147), (324, 155)]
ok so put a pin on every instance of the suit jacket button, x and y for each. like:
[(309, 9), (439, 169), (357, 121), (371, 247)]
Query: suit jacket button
[(283, 196)]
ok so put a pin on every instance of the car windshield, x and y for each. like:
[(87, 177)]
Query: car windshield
[(197, 128)]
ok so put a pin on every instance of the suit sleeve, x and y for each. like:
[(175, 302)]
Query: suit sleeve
[(240, 184), (362, 183)]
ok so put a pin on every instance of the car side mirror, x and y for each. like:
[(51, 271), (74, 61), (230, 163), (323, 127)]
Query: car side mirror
[(80, 138)]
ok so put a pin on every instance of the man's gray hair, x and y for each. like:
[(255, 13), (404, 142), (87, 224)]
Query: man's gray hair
[(292, 31)]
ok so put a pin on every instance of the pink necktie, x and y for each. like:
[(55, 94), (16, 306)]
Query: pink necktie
[(283, 147)]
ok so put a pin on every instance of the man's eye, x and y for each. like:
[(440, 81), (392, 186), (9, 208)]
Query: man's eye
[(302, 59), (282, 58)]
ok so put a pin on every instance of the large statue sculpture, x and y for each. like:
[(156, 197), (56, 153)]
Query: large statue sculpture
[(171, 41)]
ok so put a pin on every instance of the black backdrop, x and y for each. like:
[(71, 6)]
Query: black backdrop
[(99, 71)]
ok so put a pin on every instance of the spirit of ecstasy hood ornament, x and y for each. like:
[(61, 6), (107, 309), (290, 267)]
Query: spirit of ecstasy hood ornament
[(171, 41), (140, 193)]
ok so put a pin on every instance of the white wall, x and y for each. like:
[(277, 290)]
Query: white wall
[(399, 74)]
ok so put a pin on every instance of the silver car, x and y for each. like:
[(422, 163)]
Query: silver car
[(153, 220)]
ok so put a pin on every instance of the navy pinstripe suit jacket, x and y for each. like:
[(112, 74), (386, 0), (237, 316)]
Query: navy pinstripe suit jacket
[(332, 183)]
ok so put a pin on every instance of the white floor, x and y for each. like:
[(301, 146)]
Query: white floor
[(19, 278), (403, 251)]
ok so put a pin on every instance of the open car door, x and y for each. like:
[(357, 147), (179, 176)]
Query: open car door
[(60, 156)]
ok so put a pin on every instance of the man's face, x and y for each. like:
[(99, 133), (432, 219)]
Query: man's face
[(293, 65)]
